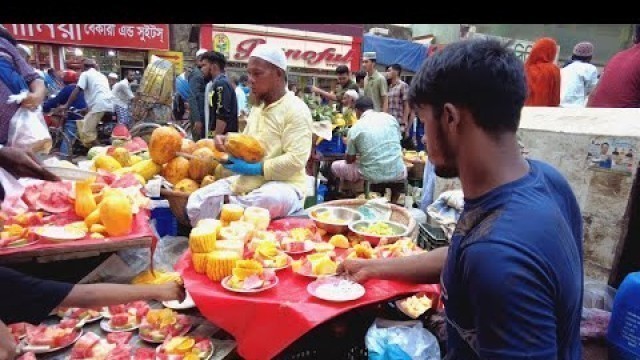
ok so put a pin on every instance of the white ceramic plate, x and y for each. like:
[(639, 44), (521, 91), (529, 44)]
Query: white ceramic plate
[(206, 357), (225, 285), (40, 350), (104, 325), (176, 305), (59, 234), (66, 173), (353, 291)]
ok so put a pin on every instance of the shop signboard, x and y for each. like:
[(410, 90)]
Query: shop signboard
[(300, 52), (176, 57), (117, 36)]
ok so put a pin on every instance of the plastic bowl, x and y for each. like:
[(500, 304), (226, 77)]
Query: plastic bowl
[(399, 230), (344, 215)]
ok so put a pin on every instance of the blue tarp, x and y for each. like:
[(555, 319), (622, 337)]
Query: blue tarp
[(389, 51)]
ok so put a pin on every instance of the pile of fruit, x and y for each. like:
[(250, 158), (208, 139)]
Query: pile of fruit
[(160, 324), (185, 348), (249, 275)]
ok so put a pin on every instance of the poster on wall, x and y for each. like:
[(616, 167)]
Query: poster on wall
[(610, 154)]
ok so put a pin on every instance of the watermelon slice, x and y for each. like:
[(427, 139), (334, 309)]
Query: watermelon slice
[(117, 309), (106, 177), (125, 181), (120, 320), (83, 347), (122, 338), (68, 323), (54, 197), (144, 354), (120, 352), (65, 339)]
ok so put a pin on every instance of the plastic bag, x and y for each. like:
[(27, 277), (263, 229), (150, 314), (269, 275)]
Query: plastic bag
[(28, 129), (401, 340)]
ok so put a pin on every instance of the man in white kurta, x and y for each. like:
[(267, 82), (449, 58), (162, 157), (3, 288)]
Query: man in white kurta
[(282, 125)]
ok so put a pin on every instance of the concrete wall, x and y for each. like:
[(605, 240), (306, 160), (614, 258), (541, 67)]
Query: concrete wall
[(179, 41), (444, 33), (562, 137)]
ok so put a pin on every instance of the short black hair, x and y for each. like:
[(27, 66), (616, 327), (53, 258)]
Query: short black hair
[(215, 57), (342, 69), (483, 76), (243, 78), (604, 143), (364, 103), (360, 75), (636, 38), (397, 68), (5, 34), (581, 58)]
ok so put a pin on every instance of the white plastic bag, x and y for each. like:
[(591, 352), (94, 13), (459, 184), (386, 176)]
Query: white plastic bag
[(28, 129), (401, 340)]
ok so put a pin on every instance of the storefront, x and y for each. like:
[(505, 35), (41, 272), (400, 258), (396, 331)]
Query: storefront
[(312, 56), (115, 47)]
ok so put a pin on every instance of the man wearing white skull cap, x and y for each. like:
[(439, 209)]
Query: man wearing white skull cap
[(281, 122)]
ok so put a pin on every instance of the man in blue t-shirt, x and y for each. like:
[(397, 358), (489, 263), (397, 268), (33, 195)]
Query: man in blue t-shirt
[(70, 78), (512, 279)]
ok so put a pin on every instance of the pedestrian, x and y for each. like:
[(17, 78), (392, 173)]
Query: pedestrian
[(512, 278), (196, 99), (113, 79), (122, 96), (375, 85), (578, 79), (619, 85), (16, 75), (543, 75), (360, 76), (399, 98), (70, 127), (221, 111), (99, 98), (243, 106)]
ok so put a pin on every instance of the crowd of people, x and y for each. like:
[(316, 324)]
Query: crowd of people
[(524, 303)]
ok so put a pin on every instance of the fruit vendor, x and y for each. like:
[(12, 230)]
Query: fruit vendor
[(281, 123), (376, 138), (512, 278)]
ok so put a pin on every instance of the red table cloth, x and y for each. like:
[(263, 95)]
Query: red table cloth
[(141, 228), (265, 323)]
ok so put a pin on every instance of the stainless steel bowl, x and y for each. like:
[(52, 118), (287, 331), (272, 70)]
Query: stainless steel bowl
[(345, 216), (399, 230)]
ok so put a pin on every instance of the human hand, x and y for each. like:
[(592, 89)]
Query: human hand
[(171, 291), (23, 163), (219, 141), (242, 167), (358, 270), (32, 101), (7, 343)]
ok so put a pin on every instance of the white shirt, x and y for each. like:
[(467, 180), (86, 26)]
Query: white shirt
[(242, 101), (577, 80), (122, 93), (96, 90)]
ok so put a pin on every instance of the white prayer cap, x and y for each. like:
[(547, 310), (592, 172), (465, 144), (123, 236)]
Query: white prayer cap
[(113, 76), (271, 54), (352, 93), (25, 48), (369, 55), (201, 51)]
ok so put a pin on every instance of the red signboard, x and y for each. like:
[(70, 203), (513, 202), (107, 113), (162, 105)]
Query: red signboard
[(127, 36)]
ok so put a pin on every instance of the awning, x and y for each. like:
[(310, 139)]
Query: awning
[(389, 51)]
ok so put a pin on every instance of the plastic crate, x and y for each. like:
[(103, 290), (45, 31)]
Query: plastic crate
[(431, 237), (333, 146)]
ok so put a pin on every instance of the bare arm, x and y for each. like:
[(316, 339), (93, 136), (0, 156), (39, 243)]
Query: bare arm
[(407, 114), (220, 127), (324, 94), (91, 295), (424, 268), (72, 97)]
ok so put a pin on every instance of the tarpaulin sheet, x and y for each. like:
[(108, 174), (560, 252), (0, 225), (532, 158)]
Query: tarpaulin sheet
[(265, 323), (141, 228), (389, 51)]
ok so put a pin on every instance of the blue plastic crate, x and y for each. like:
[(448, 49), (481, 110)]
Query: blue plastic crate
[(333, 146), (165, 222)]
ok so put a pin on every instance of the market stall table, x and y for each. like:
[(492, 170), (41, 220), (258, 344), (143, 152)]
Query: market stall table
[(266, 323), (141, 236)]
